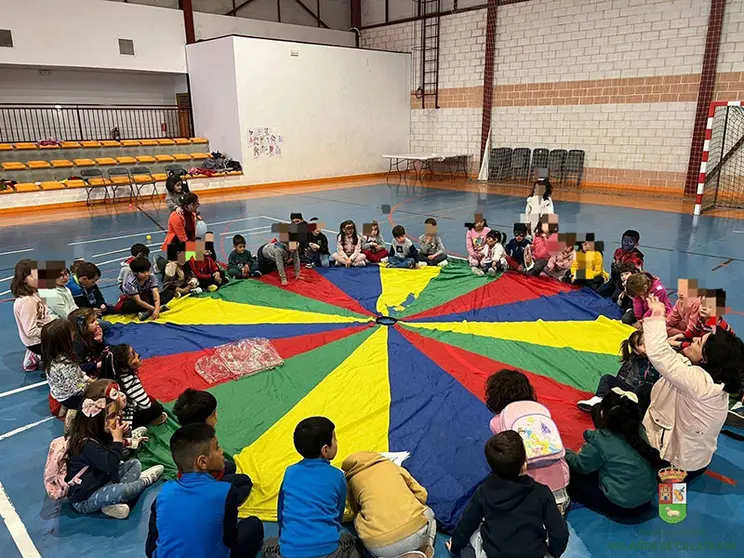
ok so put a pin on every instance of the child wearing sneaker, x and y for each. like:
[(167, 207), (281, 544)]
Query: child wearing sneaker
[(510, 515), (312, 499), (392, 517), (178, 280), (31, 313), (318, 253), (240, 263), (431, 248), (196, 515), (210, 273), (96, 444), (402, 251), (493, 255), (140, 293), (373, 244), (138, 251)]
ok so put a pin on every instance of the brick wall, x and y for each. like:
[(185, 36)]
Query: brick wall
[(617, 78)]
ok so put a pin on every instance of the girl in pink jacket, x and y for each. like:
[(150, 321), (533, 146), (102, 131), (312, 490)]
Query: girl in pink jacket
[(31, 313), (475, 240), (640, 286), (349, 247)]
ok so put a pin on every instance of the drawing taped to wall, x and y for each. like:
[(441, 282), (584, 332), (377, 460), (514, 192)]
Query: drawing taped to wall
[(265, 142)]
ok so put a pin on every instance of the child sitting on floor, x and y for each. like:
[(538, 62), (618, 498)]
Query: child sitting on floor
[(515, 247), (240, 263), (509, 394), (587, 269), (140, 293), (685, 314), (208, 271), (59, 299), (137, 251), (96, 443), (31, 313), (373, 245), (392, 517), (312, 499), (628, 253), (431, 248), (510, 515), (475, 240), (544, 246), (402, 251), (88, 342), (121, 363), (196, 515), (84, 287), (615, 470), (493, 258), (559, 265), (178, 279), (636, 373), (67, 381), (194, 406), (318, 253), (639, 286), (349, 247)]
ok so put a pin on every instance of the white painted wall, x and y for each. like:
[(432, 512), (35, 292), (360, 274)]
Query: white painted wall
[(85, 33), (79, 86), (214, 98), (336, 126)]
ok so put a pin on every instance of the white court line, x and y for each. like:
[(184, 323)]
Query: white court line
[(24, 388), (4, 293), (108, 261), (6, 279), (16, 527), (285, 221), (98, 240), (16, 252), (24, 428), (122, 250), (246, 230)]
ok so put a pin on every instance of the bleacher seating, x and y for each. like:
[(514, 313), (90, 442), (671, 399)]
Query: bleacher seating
[(37, 168)]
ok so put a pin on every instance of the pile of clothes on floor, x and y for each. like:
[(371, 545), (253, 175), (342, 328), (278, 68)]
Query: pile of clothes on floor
[(217, 163)]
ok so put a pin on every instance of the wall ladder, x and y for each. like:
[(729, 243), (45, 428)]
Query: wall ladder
[(430, 11)]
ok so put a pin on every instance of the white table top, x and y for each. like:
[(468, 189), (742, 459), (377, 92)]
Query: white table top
[(426, 156)]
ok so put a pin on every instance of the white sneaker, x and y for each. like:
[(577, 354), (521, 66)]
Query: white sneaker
[(140, 432), (142, 316), (445, 263), (384, 261), (31, 361), (587, 404), (421, 265), (117, 511), (478, 271), (152, 474), (197, 290), (492, 272)]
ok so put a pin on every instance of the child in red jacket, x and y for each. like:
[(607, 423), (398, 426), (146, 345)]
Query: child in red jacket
[(210, 273), (628, 253)]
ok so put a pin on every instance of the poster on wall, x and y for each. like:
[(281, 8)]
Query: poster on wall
[(265, 142)]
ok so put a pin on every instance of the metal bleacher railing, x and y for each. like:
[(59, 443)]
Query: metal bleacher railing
[(37, 122)]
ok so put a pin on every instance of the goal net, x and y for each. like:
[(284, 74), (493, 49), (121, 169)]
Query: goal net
[(721, 182)]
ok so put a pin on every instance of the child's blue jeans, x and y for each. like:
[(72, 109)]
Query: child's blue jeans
[(322, 260), (397, 261), (127, 489)]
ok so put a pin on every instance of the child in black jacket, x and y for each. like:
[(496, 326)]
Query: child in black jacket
[(317, 249), (518, 517)]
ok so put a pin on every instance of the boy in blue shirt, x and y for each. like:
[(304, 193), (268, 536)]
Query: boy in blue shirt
[(197, 515), (312, 499)]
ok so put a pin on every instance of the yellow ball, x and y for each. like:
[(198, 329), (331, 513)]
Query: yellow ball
[(148, 237)]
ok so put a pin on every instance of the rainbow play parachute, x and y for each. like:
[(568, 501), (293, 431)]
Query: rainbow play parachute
[(397, 359)]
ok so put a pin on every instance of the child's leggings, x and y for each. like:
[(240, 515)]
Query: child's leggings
[(340, 259), (426, 535), (127, 489), (376, 257), (434, 261)]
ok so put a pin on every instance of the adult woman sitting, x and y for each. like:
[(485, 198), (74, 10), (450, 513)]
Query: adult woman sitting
[(182, 224), (689, 403)]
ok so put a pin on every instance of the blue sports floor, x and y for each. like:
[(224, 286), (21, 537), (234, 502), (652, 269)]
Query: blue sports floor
[(713, 253)]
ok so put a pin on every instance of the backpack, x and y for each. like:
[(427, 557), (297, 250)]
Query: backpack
[(55, 470), (542, 441)]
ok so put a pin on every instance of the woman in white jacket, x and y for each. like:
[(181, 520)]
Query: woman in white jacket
[(689, 403), (540, 202)]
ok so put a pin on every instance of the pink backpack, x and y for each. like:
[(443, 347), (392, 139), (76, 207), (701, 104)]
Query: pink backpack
[(55, 470), (542, 441)]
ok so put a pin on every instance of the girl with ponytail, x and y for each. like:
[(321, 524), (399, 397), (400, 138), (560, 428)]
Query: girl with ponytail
[(615, 472)]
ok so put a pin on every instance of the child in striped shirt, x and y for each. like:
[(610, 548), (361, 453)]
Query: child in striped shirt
[(121, 363)]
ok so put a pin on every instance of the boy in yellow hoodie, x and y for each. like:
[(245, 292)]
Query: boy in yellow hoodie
[(392, 517)]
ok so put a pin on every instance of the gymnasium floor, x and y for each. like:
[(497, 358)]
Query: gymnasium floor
[(711, 252)]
